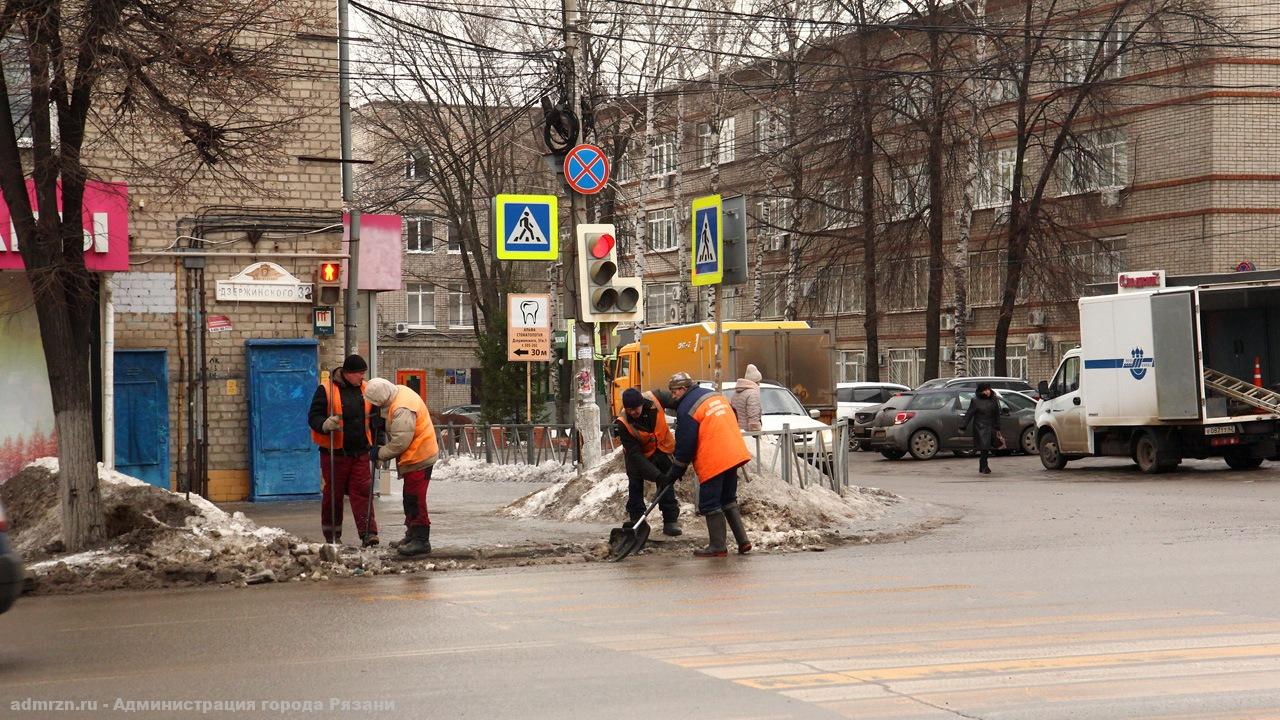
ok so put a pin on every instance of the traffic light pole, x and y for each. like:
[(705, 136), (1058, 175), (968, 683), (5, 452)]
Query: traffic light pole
[(349, 334), (586, 414)]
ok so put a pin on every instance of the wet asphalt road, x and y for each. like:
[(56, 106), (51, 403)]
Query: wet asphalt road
[(1091, 593)]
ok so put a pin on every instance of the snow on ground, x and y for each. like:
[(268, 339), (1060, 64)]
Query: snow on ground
[(155, 538), (776, 512), (465, 467)]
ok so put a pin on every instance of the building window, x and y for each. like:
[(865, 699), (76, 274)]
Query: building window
[(461, 314), (1097, 260), (910, 191), (982, 360), (660, 306), (661, 229), (910, 285), (417, 164), (454, 243), (1085, 58), (419, 234), (851, 366), (705, 150), (773, 294), (840, 203), (662, 154), (728, 140), (421, 300), (773, 221), (910, 100), (839, 290), (986, 277), (771, 132), (1099, 160), (906, 366), (19, 85), (995, 180)]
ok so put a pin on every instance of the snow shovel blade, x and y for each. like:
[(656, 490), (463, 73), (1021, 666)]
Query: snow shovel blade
[(626, 540)]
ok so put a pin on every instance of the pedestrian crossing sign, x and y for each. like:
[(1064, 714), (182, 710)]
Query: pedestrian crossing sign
[(527, 227), (708, 241)]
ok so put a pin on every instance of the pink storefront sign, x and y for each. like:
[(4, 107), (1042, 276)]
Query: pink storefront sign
[(106, 228), (381, 247)]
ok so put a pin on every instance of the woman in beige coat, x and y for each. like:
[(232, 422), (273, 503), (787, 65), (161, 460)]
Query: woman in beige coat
[(746, 400)]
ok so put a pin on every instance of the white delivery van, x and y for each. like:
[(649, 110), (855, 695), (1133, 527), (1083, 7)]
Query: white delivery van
[(1166, 373)]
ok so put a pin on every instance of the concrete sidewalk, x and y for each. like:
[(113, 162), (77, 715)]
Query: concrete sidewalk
[(464, 522)]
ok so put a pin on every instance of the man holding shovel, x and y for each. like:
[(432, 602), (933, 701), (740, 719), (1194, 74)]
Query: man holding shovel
[(411, 440), (647, 444), (342, 425), (707, 436)]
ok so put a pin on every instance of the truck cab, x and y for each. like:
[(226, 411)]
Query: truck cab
[(1061, 430)]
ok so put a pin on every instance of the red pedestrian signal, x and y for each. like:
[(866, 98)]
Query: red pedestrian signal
[(328, 283), (329, 272)]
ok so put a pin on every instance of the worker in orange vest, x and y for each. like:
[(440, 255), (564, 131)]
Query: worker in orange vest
[(411, 441), (647, 444), (707, 436), (339, 412)]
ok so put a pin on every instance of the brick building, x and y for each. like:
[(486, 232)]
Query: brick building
[(1180, 176), (211, 271)]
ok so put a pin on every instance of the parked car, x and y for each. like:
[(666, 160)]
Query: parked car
[(471, 412), (972, 383), (864, 419), (930, 423), (854, 396), (11, 575)]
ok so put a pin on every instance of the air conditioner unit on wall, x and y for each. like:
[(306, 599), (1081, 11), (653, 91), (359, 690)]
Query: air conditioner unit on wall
[(947, 321), (1038, 342), (1037, 318), (1000, 216), (663, 182), (1110, 197), (948, 354), (673, 313), (402, 329), (809, 288)]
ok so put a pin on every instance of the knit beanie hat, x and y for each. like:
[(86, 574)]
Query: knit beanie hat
[(753, 374), (631, 398), (354, 364)]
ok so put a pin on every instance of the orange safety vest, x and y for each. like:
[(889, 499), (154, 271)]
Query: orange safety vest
[(335, 408), (661, 437), (720, 444), (424, 445)]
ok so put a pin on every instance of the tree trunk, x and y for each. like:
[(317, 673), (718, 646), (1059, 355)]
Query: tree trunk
[(964, 219), (1012, 284)]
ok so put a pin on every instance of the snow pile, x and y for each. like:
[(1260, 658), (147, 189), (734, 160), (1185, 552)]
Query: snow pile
[(777, 513), (154, 538), (465, 467)]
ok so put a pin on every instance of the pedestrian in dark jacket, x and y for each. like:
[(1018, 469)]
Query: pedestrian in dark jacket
[(345, 426), (984, 413), (647, 444)]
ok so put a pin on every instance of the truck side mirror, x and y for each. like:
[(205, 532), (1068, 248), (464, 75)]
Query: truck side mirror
[(1076, 400), (1043, 388), (814, 414)]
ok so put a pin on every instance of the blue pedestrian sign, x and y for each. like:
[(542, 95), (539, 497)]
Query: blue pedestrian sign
[(708, 241), (527, 227), (586, 169)]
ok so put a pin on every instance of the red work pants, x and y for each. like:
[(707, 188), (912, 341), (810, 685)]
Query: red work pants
[(415, 497), (352, 477)]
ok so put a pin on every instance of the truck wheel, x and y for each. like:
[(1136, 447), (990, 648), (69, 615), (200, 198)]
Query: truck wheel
[(1050, 456), (1029, 440), (892, 454), (1242, 461), (923, 444), (1146, 452)]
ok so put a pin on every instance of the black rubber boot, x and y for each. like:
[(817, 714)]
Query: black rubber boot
[(671, 528), (369, 540), (715, 533), (417, 542), (734, 516)]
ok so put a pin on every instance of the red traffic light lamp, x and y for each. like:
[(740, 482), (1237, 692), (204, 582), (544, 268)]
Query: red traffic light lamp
[(603, 245)]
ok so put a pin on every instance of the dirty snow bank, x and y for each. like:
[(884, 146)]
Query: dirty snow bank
[(465, 467), (154, 538), (776, 513)]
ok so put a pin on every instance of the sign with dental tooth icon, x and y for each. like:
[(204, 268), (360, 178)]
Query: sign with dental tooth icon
[(528, 328)]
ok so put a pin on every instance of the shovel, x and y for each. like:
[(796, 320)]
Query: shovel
[(625, 540)]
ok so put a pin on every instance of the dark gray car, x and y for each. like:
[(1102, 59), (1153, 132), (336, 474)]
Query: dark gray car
[(864, 421), (930, 423)]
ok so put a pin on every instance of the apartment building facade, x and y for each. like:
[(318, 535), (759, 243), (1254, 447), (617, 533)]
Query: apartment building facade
[(1175, 172)]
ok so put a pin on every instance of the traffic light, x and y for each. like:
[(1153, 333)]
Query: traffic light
[(328, 283), (602, 295)]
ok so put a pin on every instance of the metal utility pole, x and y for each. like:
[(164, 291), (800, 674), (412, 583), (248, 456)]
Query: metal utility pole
[(586, 415), (349, 333)]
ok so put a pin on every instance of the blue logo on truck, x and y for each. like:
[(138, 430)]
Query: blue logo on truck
[(1138, 363)]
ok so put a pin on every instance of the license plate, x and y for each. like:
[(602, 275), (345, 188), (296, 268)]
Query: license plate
[(1220, 430), (878, 432)]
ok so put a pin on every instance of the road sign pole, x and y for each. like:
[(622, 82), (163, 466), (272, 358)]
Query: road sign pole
[(719, 338), (528, 393)]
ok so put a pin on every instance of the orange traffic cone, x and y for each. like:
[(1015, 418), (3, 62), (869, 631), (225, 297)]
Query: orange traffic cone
[(1257, 371)]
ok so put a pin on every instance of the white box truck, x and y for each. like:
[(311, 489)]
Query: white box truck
[(1167, 373)]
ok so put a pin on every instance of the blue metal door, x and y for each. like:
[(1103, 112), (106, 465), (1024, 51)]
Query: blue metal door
[(282, 459), (141, 391)]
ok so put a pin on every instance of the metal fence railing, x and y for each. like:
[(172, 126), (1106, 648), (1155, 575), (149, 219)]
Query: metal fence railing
[(803, 458), (516, 444)]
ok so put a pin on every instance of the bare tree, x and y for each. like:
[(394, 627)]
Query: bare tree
[(198, 79)]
